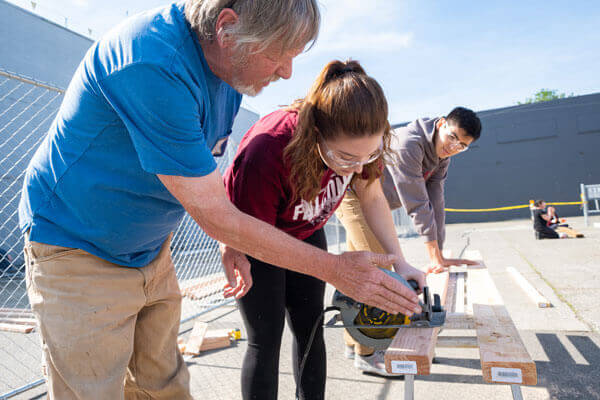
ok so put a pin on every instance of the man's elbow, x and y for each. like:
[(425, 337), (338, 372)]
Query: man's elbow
[(217, 222)]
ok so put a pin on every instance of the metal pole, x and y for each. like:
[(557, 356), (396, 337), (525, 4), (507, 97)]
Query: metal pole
[(516, 392), (409, 387), (22, 389), (585, 208), (531, 202), (337, 235)]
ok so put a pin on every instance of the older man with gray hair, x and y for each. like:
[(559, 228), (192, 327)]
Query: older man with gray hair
[(131, 149)]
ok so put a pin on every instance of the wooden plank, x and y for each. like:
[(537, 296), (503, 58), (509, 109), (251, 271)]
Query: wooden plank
[(570, 232), (459, 321), (456, 341), (16, 328), (17, 311), (194, 343), (459, 300), (212, 340), (16, 316), (18, 321), (216, 339), (504, 358), (480, 289), (528, 288), (451, 293), (412, 349)]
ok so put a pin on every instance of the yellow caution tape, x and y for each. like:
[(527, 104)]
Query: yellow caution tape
[(508, 207)]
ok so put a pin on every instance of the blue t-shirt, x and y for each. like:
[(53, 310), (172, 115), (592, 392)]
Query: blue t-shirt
[(142, 102)]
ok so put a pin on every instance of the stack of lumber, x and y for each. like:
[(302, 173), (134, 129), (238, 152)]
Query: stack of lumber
[(199, 288), (201, 339), (18, 320), (570, 232)]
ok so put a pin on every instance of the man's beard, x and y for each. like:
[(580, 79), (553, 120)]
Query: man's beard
[(240, 63), (247, 90)]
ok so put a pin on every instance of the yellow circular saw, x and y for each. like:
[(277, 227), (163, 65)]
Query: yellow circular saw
[(373, 327)]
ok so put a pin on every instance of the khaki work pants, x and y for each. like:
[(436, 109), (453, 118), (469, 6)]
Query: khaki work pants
[(108, 332), (359, 237)]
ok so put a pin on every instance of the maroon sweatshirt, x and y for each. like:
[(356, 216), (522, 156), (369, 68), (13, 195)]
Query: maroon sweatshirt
[(258, 182)]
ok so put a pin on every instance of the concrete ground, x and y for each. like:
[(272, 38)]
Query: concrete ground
[(564, 341)]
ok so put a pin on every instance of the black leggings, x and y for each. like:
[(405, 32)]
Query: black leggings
[(275, 294), (546, 233)]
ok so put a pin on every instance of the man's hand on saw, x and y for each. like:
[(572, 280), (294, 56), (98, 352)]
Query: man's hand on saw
[(237, 271), (359, 278)]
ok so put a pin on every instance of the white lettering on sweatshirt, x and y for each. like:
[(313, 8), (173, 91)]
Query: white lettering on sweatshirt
[(322, 206)]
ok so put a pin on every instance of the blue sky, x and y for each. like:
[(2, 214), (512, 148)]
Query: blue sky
[(429, 56)]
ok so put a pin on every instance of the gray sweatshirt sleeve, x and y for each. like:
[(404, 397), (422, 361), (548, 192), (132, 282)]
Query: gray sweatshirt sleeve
[(407, 172), (435, 190)]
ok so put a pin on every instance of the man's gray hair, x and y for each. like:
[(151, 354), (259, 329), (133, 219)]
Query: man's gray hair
[(290, 23)]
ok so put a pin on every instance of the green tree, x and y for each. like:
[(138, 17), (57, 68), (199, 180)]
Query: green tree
[(545, 95)]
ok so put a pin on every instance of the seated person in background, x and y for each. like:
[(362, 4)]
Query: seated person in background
[(544, 221)]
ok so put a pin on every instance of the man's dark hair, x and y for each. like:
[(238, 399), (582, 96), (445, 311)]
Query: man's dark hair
[(467, 120), (538, 203)]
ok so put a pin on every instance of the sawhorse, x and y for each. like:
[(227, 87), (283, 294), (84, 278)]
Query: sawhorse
[(472, 302)]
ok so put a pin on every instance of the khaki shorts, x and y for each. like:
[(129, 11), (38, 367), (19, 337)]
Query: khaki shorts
[(359, 237), (108, 332)]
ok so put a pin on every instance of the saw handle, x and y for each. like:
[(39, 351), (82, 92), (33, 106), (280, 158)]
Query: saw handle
[(414, 285)]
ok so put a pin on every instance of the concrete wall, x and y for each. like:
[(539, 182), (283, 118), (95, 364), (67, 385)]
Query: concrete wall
[(543, 150), (38, 48)]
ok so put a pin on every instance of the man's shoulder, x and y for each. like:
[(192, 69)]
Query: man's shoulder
[(416, 129), (158, 37), (407, 137)]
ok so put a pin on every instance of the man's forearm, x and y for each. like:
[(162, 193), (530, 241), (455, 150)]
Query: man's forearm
[(265, 242), (206, 201)]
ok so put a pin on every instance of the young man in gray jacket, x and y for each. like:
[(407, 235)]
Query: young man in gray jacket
[(414, 179)]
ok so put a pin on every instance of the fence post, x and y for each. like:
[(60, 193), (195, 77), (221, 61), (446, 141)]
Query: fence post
[(337, 235), (585, 205), (531, 202)]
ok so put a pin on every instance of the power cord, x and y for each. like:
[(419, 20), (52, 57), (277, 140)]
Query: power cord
[(310, 342)]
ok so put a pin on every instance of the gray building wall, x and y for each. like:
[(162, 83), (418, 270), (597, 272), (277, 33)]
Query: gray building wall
[(542, 150), (35, 47)]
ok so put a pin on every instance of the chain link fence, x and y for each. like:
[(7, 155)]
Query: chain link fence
[(27, 109)]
